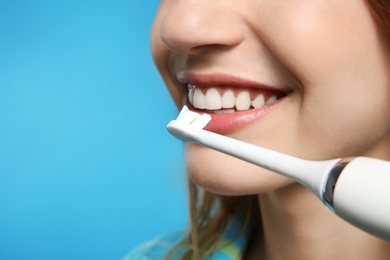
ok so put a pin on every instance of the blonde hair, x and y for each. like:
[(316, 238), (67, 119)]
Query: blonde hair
[(210, 213), (209, 216)]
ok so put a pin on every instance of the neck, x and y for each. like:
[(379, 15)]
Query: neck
[(296, 225)]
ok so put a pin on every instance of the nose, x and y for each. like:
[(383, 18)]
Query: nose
[(195, 25)]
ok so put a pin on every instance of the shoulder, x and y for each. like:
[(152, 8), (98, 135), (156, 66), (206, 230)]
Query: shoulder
[(157, 248)]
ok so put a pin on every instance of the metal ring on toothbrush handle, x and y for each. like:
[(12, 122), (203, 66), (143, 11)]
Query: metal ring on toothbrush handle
[(330, 185), (358, 191)]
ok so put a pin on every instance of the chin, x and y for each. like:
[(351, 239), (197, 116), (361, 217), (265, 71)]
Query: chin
[(222, 174)]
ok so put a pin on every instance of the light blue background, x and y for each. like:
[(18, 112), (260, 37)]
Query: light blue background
[(87, 168)]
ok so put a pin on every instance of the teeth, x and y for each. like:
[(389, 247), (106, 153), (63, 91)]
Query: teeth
[(243, 101), (258, 101), (213, 99), (228, 99), (271, 99), (191, 91), (228, 102), (199, 99)]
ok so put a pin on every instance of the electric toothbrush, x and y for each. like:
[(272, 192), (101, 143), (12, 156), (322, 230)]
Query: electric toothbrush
[(356, 189)]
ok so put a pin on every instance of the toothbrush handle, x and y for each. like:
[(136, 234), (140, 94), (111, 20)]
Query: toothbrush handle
[(357, 190), (361, 195)]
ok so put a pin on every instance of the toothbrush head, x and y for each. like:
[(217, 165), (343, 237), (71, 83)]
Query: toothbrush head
[(187, 124), (192, 118)]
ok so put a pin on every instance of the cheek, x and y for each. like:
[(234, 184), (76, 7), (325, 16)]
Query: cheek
[(162, 56), (323, 39), (344, 75)]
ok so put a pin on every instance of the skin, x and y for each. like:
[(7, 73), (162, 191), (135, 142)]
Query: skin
[(334, 58)]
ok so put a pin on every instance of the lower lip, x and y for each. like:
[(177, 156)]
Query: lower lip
[(231, 122)]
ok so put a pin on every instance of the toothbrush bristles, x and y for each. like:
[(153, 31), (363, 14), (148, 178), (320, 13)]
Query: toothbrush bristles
[(192, 118)]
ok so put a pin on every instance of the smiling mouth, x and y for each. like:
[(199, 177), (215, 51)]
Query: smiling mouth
[(224, 100)]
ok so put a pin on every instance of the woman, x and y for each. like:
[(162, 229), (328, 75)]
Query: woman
[(306, 78)]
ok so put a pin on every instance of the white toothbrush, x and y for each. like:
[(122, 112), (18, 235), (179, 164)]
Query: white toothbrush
[(356, 189)]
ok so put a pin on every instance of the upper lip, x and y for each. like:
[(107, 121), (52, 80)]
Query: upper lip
[(209, 80)]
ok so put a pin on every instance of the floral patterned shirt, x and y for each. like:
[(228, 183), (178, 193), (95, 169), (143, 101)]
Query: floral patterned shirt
[(231, 247)]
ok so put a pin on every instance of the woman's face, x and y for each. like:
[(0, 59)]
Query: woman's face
[(303, 77)]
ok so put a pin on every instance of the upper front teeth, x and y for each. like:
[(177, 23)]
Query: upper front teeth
[(228, 99), (243, 100), (213, 100), (199, 99)]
